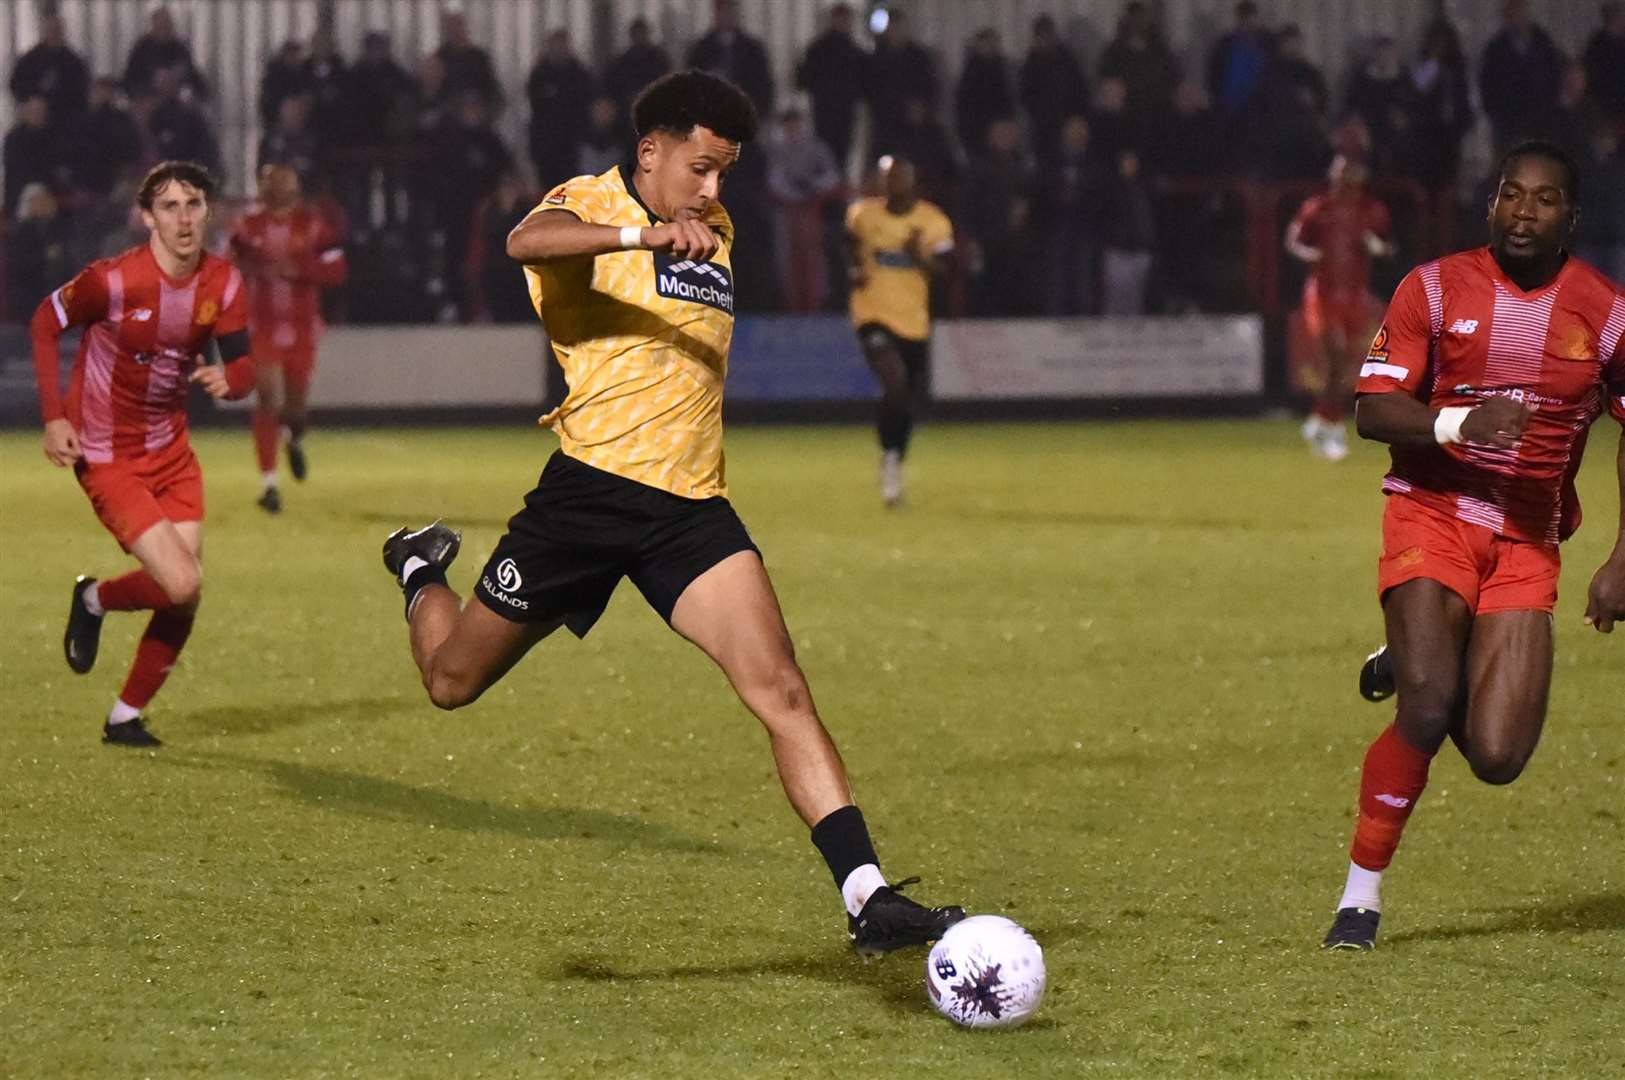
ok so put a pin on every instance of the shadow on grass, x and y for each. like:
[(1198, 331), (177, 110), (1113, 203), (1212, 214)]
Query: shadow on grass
[(1603, 912), (261, 719), (378, 798), (898, 980)]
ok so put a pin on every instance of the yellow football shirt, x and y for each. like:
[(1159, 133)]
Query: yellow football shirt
[(897, 294), (643, 340)]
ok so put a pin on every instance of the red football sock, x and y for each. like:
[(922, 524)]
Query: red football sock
[(135, 591), (160, 645), (267, 433), (1333, 412), (1393, 778)]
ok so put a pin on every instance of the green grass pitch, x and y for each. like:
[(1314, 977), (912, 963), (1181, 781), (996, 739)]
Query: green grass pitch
[(1097, 677)]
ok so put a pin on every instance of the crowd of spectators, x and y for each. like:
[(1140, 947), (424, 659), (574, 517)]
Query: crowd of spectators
[(1084, 179)]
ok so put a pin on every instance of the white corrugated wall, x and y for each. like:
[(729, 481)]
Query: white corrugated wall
[(231, 38)]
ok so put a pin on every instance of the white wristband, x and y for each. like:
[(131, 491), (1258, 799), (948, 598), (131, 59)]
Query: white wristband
[(1447, 426), (631, 237)]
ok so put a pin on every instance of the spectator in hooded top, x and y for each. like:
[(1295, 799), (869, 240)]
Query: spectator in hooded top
[(900, 69), (1378, 93), (638, 65), (560, 89), (833, 71), (53, 71), (106, 139), (1052, 87), (33, 152), (1140, 56), (1605, 62), (285, 76), (467, 66), (1439, 103), (158, 49), (381, 98), (1239, 64), (178, 128), (738, 57), (607, 140), (984, 93), (997, 214), (1518, 75)]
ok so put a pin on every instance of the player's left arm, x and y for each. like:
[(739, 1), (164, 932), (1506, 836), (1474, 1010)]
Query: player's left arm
[(1376, 235), (233, 377), (932, 245), (1299, 245), (324, 264), (1605, 601)]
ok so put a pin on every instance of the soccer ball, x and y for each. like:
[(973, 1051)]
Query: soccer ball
[(985, 972)]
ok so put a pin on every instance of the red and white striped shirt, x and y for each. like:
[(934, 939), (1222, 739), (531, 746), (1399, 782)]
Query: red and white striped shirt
[(1458, 331), (143, 334), (288, 259)]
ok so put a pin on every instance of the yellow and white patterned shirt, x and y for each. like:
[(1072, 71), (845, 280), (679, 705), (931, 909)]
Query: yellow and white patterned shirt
[(897, 294), (643, 340)]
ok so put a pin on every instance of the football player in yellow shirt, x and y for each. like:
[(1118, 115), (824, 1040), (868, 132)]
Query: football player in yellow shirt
[(630, 272), (895, 243)]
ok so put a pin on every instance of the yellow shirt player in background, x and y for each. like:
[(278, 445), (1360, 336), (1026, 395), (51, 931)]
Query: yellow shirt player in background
[(895, 242), (631, 275)]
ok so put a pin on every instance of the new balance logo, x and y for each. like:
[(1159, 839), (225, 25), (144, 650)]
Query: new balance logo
[(141, 314), (1464, 326), (1395, 801)]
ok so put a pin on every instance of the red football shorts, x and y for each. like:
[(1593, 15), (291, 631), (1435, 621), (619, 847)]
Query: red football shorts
[(132, 496), (297, 364), (1492, 573), (1348, 312)]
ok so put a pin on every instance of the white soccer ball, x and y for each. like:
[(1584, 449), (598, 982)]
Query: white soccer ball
[(985, 972)]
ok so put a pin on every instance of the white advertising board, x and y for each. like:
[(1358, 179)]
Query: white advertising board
[(1168, 356)]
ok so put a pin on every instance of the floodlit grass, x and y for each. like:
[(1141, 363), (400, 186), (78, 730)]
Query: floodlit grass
[(1097, 677)]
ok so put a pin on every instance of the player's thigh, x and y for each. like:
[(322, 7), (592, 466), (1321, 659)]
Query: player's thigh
[(297, 368), (270, 383), (731, 612), (1428, 629), (482, 647), (881, 352)]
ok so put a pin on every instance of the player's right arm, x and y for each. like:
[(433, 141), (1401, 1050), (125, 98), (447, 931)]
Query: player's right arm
[(549, 234), (1296, 244), (1389, 408), (78, 303)]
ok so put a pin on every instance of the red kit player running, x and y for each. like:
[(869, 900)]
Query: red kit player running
[(147, 315), (288, 255), (1487, 374), (1337, 234)]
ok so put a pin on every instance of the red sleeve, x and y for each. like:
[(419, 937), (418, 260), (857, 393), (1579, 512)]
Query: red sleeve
[(325, 265), (1398, 357), (1377, 220), (1613, 377), (78, 303), (1306, 221), (233, 304)]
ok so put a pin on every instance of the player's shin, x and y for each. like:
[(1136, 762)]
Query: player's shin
[(160, 647), (267, 432), (1391, 781)]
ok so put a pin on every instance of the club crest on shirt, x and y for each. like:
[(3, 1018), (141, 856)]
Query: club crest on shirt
[(1379, 345), (697, 282), (206, 312), (1577, 344), (557, 198)]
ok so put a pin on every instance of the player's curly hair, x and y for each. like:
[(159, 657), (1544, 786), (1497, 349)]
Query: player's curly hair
[(1551, 151), (679, 102), (189, 173)]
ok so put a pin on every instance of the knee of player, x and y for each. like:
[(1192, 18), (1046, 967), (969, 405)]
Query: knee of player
[(184, 588), (1429, 695), (1497, 764), (448, 691)]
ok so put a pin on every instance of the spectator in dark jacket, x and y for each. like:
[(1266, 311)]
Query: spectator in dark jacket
[(641, 63), (1239, 64), (1052, 87), (1129, 239), (178, 128), (53, 71), (158, 49), (464, 162), (900, 69), (1378, 94), (1139, 55), (32, 152), (285, 76), (1069, 201), (1519, 75), (984, 93), (42, 249), (607, 140), (381, 98), (1605, 62), (1438, 100), (291, 142), (329, 83), (468, 67), (998, 216), (735, 55), (833, 71), (106, 140), (560, 88), (922, 138)]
